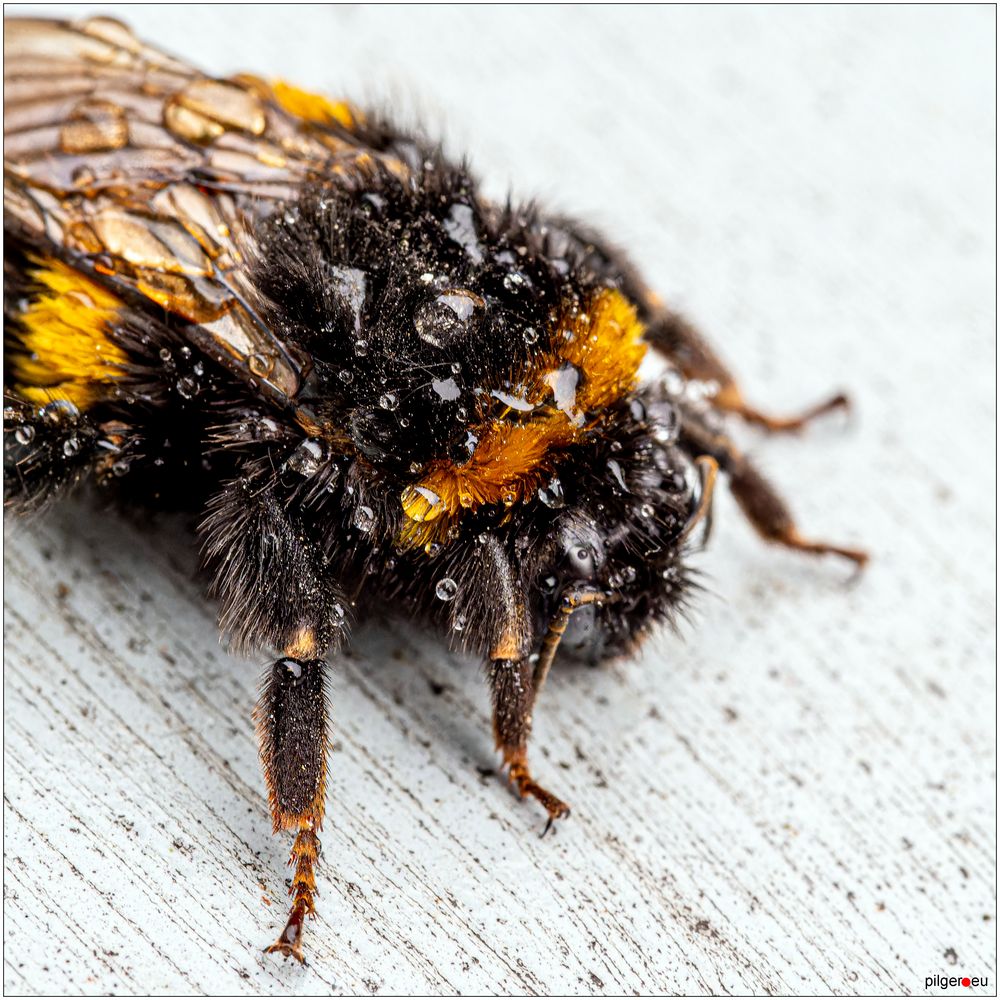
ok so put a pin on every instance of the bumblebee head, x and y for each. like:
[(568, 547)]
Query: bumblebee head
[(631, 504)]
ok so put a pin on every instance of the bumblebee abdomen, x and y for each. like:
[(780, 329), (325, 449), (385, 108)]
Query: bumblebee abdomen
[(58, 338)]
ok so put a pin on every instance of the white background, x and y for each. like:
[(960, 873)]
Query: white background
[(796, 796)]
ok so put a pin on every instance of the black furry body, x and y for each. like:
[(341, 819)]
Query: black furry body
[(347, 276), (379, 392)]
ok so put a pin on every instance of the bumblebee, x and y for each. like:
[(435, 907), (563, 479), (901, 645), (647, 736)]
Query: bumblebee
[(383, 393)]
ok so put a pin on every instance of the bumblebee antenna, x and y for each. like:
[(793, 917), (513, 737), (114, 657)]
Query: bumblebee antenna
[(709, 469), (573, 598)]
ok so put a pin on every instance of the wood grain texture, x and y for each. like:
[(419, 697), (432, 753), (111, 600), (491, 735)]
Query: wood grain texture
[(797, 796)]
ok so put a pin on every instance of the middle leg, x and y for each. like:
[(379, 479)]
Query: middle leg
[(676, 338), (764, 508)]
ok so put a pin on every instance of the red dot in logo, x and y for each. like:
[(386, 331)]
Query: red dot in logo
[(966, 981)]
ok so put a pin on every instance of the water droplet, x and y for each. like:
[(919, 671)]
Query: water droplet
[(388, 401), (646, 510), (672, 382), (361, 348), (515, 402), (456, 367), (165, 354), (24, 434), (338, 613), (364, 519), (446, 589), (447, 317), (563, 383), (447, 388), (459, 623), (509, 498), (552, 494), (616, 474), (345, 375), (461, 227), (307, 457), (187, 387), (261, 364), (71, 446), (59, 411), (121, 467), (530, 335), (432, 548)]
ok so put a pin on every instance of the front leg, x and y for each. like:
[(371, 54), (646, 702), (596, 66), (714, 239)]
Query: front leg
[(516, 685), (514, 691), (274, 592)]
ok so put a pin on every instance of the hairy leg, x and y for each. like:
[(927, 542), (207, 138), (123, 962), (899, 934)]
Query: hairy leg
[(671, 335), (294, 742), (512, 684), (268, 574), (47, 450), (760, 502), (516, 685)]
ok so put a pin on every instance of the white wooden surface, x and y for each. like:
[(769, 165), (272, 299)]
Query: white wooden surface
[(798, 796)]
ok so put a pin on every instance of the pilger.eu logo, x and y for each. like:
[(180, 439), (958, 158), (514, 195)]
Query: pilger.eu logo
[(950, 982)]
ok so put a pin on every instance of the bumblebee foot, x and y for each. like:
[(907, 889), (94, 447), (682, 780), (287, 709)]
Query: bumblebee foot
[(527, 786), (732, 400), (289, 941), (794, 540)]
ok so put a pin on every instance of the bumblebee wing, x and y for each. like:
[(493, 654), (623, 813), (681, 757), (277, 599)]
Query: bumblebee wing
[(148, 175)]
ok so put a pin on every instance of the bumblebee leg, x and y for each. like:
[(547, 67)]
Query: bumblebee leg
[(770, 515), (292, 730), (677, 339), (274, 592), (671, 335), (47, 450), (516, 685), (514, 694), (758, 499)]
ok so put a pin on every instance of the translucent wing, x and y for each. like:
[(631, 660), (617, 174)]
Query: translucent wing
[(145, 173)]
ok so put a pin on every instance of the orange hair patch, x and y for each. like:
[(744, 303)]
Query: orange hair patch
[(593, 363)]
